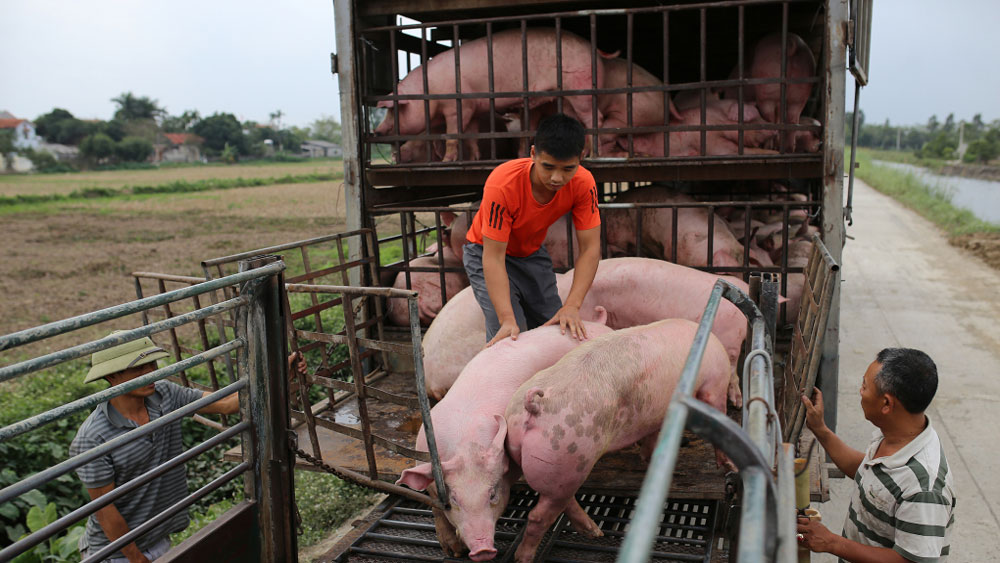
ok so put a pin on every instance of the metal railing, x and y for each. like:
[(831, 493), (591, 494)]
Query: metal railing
[(259, 344), (767, 523)]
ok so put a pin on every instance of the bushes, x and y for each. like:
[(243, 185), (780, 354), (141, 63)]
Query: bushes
[(133, 149)]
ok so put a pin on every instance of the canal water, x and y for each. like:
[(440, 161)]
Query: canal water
[(981, 197)]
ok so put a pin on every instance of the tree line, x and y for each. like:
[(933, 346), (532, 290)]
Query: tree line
[(933, 139), (140, 122)]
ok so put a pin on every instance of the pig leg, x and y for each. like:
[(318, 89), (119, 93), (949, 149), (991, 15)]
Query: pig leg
[(540, 519), (451, 125), (582, 521)]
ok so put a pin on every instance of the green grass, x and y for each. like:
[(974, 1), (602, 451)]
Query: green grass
[(906, 157), (176, 186), (931, 202)]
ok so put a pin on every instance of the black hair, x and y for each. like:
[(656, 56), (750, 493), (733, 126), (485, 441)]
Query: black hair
[(909, 375), (561, 136)]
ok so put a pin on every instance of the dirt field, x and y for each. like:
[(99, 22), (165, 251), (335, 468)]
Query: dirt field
[(64, 259), (44, 184)]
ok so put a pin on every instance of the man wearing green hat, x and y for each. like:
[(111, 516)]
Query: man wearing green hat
[(117, 416)]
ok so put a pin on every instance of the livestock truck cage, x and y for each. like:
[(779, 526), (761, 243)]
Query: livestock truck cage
[(356, 412)]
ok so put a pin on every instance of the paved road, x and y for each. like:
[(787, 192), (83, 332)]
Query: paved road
[(904, 285)]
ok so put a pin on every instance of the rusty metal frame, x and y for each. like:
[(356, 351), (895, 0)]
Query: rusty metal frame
[(822, 275), (372, 34)]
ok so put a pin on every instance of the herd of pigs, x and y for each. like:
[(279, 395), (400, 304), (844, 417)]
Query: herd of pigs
[(547, 406), (761, 102)]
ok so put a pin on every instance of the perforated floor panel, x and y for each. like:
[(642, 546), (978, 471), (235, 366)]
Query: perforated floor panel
[(405, 532)]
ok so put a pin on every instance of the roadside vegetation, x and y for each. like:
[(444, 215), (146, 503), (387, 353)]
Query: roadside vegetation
[(69, 256), (963, 228)]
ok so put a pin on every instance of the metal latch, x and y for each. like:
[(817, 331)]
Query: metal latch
[(334, 66)]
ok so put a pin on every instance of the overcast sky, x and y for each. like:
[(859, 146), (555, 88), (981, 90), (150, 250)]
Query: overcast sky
[(253, 57)]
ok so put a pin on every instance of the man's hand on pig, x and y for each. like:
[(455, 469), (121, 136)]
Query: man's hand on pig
[(568, 317)]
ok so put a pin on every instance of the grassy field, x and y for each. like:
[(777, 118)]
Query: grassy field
[(64, 258), (906, 157), (45, 184)]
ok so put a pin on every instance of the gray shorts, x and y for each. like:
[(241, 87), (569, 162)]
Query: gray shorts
[(533, 292)]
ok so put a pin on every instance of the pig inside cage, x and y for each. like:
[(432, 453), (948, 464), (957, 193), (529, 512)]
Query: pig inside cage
[(707, 81), (724, 228)]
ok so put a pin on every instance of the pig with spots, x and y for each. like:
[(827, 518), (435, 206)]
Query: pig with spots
[(470, 430), (605, 395), (634, 291)]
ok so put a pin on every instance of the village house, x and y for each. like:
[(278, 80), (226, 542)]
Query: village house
[(179, 147), (321, 149)]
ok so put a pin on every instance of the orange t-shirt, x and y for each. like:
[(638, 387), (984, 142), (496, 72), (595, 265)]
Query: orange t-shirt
[(509, 212)]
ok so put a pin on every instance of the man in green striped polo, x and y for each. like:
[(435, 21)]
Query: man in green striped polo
[(901, 509)]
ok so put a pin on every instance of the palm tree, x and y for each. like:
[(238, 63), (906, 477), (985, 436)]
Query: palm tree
[(133, 108)]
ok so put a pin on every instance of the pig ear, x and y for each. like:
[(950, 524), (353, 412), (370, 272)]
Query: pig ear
[(724, 259), (673, 111), (501, 435), (417, 478), (602, 315), (384, 104), (447, 217)]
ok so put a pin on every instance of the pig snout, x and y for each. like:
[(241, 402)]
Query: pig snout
[(482, 552)]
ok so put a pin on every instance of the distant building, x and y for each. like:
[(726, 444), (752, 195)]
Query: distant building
[(321, 149), (178, 147), (24, 131), (62, 153)]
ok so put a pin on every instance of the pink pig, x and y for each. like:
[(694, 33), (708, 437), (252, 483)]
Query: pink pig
[(470, 429), (428, 286), (605, 395), (688, 143), (507, 77), (658, 230), (635, 291)]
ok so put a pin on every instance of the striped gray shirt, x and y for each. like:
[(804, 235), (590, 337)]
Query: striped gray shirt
[(904, 501), (133, 459)]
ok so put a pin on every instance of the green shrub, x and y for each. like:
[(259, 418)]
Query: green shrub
[(133, 149), (58, 548), (325, 502)]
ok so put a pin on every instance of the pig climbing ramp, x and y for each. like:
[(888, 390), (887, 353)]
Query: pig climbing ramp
[(403, 530)]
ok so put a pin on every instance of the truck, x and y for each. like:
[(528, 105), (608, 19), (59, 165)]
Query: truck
[(357, 411)]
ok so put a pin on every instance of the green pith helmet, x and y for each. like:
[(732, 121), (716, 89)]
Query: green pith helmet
[(130, 354)]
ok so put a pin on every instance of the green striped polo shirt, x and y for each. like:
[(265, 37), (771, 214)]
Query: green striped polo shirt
[(133, 459), (904, 501)]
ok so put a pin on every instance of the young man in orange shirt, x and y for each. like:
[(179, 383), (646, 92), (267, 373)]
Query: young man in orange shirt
[(509, 270)]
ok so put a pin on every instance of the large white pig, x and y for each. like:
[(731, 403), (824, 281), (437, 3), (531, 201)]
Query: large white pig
[(605, 395), (508, 76), (635, 291), (428, 287), (470, 429)]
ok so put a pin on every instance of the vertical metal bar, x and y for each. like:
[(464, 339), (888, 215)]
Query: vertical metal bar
[(203, 336), (526, 124), (753, 515), (173, 333), (629, 36), (638, 230), (263, 329), (395, 92), (406, 248), (570, 240), (423, 73), (787, 545), (492, 82), (673, 235), (785, 216), (666, 94), (138, 283), (360, 388), (370, 251), (425, 406), (314, 298), (220, 325), (702, 74), (559, 65), (440, 257), (458, 90), (784, 76), (711, 236), (833, 62), (854, 154), (740, 77), (595, 137)]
